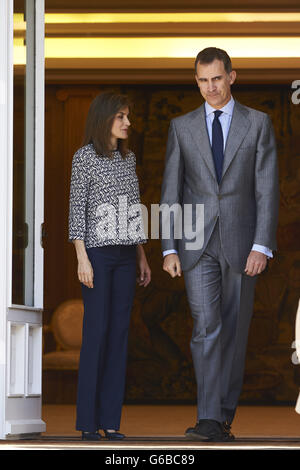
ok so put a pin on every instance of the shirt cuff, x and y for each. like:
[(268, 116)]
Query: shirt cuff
[(168, 252), (262, 249)]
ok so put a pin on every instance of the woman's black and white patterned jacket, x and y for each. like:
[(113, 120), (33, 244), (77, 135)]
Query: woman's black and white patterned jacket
[(104, 206)]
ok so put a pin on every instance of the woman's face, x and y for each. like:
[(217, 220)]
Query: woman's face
[(120, 125)]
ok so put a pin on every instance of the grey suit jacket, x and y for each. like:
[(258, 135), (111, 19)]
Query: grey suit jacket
[(247, 198)]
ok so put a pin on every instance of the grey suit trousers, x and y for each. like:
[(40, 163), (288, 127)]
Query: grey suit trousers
[(221, 303)]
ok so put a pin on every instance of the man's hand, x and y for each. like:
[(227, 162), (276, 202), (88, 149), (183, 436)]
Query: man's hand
[(256, 263), (172, 265)]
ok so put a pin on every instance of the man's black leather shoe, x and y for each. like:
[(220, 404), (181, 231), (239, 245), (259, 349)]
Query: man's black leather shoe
[(189, 430), (91, 436), (207, 430), (227, 429)]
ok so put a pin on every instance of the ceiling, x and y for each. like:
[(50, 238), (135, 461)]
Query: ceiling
[(117, 45), (172, 5)]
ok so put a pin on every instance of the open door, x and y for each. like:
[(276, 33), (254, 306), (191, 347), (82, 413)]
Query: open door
[(22, 208)]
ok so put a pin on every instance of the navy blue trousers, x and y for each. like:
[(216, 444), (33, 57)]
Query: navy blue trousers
[(103, 355)]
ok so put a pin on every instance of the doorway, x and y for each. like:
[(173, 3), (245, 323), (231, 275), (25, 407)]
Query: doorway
[(22, 59)]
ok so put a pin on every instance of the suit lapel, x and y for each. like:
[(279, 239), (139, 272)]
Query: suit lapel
[(198, 130), (238, 130)]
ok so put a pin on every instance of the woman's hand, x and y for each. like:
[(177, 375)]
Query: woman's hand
[(143, 267), (85, 272)]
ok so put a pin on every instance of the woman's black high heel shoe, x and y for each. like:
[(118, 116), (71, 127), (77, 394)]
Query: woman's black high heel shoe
[(91, 436), (113, 436)]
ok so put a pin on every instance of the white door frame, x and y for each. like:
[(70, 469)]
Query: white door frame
[(6, 134), (21, 325)]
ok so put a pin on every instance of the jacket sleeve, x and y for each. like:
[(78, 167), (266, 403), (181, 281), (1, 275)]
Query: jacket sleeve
[(79, 187), (171, 194), (266, 187)]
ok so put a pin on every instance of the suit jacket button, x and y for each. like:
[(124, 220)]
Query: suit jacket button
[(219, 196)]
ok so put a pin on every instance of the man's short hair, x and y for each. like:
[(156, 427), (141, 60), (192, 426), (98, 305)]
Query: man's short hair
[(208, 55)]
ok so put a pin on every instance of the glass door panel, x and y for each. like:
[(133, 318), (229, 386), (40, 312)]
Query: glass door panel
[(27, 253)]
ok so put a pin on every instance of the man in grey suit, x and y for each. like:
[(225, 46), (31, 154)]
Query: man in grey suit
[(222, 155)]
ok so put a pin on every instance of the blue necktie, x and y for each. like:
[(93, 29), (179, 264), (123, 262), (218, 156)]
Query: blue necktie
[(217, 144)]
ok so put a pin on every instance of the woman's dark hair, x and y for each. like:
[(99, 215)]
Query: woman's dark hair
[(208, 55), (101, 115)]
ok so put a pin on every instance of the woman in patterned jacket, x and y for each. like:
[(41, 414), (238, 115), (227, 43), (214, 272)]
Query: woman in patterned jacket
[(106, 227)]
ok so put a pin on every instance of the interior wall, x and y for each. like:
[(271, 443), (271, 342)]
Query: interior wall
[(159, 365)]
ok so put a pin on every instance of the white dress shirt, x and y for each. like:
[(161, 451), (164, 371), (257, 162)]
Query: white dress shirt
[(225, 120)]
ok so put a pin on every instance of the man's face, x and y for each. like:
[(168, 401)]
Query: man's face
[(214, 83)]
